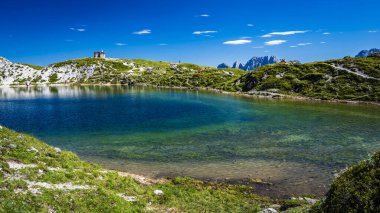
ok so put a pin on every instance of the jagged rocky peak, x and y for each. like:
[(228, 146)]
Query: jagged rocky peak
[(237, 65), (260, 61), (366, 53), (223, 66), (253, 63)]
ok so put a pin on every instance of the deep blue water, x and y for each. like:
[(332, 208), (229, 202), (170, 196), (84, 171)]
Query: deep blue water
[(161, 132)]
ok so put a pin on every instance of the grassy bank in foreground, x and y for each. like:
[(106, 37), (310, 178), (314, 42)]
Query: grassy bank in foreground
[(35, 177)]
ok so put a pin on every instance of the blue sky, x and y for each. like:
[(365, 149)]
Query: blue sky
[(205, 32)]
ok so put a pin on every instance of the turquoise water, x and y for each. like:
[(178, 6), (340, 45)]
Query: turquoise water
[(295, 145)]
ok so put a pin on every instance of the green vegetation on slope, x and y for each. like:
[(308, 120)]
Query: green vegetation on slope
[(344, 79), (35, 177), (324, 80), (34, 66), (355, 190)]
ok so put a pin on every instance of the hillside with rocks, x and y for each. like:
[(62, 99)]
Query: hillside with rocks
[(355, 79)]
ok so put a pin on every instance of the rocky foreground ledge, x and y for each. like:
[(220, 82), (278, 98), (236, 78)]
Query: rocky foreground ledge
[(35, 177)]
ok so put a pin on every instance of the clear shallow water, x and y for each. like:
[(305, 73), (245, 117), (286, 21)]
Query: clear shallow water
[(297, 146)]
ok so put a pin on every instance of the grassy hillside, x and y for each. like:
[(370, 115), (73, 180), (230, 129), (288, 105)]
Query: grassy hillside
[(324, 80), (35, 177), (343, 79), (348, 78)]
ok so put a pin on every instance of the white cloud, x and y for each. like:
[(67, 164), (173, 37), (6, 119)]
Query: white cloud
[(323, 42), (77, 29), (304, 44), (326, 33), (120, 44), (283, 33), (204, 15), (293, 46), (275, 42), (143, 32), (204, 32), (250, 25), (373, 31), (258, 47), (238, 42)]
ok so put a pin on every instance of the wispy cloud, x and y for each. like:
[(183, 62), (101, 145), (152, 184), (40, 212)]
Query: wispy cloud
[(238, 42), (323, 42), (163, 44), (275, 42), (293, 46), (250, 25), (258, 47), (304, 44), (204, 32), (373, 31), (204, 15), (143, 32), (68, 40), (326, 33), (77, 29), (283, 33), (120, 44)]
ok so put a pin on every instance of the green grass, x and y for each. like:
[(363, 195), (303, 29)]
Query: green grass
[(34, 66), (319, 79), (104, 187)]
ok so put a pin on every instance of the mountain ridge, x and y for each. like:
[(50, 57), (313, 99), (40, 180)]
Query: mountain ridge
[(252, 63), (366, 53)]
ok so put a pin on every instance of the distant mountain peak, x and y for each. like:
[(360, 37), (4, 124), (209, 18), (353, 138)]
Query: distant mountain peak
[(223, 66), (252, 63), (366, 53)]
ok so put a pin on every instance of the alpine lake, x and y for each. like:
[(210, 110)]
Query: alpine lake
[(281, 147)]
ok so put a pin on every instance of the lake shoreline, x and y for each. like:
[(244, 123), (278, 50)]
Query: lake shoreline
[(254, 95)]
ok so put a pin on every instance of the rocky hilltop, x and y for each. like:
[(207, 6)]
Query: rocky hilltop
[(355, 79), (252, 63)]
